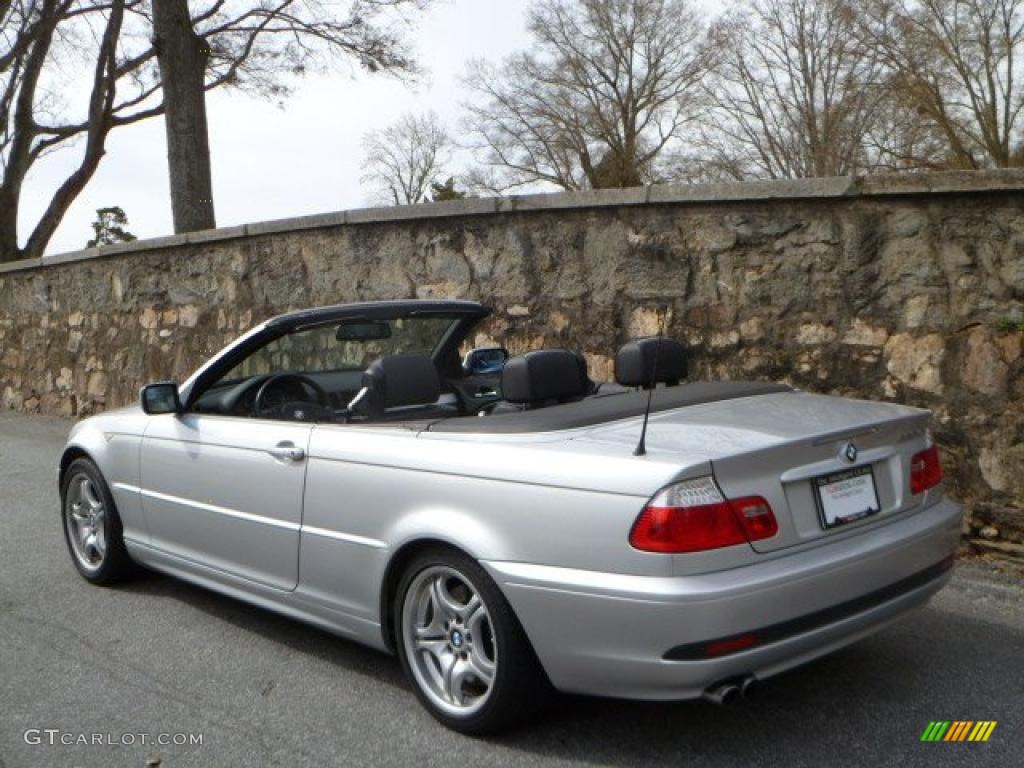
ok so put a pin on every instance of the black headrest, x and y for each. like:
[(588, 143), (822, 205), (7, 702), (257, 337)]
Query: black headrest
[(399, 380), (545, 374), (634, 364)]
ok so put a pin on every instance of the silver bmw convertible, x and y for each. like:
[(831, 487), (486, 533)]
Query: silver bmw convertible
[(507, 524)]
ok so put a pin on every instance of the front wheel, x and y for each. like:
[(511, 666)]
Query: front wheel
[(462, 647), (92, 527)]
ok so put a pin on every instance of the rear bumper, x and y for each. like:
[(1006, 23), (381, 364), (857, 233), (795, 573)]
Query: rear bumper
[(609, 634)]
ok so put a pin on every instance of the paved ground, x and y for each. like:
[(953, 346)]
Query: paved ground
[(163, 657)]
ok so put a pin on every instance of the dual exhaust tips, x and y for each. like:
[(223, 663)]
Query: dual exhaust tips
[(730, 691)]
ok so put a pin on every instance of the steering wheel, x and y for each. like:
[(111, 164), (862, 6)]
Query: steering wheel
[(291, 409)]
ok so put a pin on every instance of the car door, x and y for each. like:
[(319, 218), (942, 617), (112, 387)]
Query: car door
[(226, 492)]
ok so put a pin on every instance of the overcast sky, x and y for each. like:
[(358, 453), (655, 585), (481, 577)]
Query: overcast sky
[(271, 163)]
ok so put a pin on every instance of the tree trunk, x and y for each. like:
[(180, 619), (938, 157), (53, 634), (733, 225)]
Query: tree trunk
[(8, 227), (182, 58)]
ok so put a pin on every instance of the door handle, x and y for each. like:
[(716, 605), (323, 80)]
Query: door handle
[(286, 450)]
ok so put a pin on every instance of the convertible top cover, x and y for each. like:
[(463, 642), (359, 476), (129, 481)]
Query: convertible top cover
[(601, 408)]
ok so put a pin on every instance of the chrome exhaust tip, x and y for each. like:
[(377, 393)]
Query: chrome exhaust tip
[(750, 686), (723, 694), (730, 691)]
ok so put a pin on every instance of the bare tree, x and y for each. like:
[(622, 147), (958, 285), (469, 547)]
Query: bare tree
[(899, 139), (601, 99), (257, 45), (182, 57), (34, 34), (957, 64), (795, 93), (402, 161)]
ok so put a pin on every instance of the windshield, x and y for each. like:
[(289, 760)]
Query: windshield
[(343, 347)]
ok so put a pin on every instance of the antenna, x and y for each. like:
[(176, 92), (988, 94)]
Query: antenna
[(641, 447)]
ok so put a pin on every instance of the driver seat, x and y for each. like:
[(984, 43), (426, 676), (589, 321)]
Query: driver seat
[(401, 388)]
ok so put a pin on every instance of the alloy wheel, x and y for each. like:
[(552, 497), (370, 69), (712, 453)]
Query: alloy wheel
[(449, 640), (86, 519)]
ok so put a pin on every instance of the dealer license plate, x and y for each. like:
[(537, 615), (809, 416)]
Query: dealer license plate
[(846, 496)]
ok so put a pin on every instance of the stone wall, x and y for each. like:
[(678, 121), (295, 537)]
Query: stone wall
[(906, 288)]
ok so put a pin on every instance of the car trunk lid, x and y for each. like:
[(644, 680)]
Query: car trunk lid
[(784, 446)]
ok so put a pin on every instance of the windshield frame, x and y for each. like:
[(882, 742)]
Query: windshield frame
[(233, 376), (469, 314)]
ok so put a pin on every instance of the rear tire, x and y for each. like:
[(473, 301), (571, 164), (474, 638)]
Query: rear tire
[(92, 526), (462, 647)]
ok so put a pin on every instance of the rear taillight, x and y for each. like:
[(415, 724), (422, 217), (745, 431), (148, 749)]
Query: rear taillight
[(694, 515), (756, 517), (925, 470)]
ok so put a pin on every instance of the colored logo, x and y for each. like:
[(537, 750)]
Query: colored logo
[(958, 730)]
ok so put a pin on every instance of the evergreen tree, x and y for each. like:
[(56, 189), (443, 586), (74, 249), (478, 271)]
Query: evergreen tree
[(109, 227)]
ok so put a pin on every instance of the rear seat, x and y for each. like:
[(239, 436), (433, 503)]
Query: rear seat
[(635, 363), (546, 377), (541, 378)]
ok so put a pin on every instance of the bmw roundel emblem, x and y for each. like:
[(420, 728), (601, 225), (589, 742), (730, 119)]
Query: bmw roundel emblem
[(457, 639), (850, 452)]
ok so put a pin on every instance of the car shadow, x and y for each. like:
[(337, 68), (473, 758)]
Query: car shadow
[(282, 630)]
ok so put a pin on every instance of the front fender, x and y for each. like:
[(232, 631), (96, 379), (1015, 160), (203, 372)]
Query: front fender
[(112, 442)]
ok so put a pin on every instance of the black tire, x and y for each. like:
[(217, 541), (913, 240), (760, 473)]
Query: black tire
[(520, 690), (115, 564)]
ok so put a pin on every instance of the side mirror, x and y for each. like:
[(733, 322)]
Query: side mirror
[(160, 398), (484, 360)]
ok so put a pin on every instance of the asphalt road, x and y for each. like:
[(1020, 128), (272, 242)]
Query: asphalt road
[(162, 657)]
